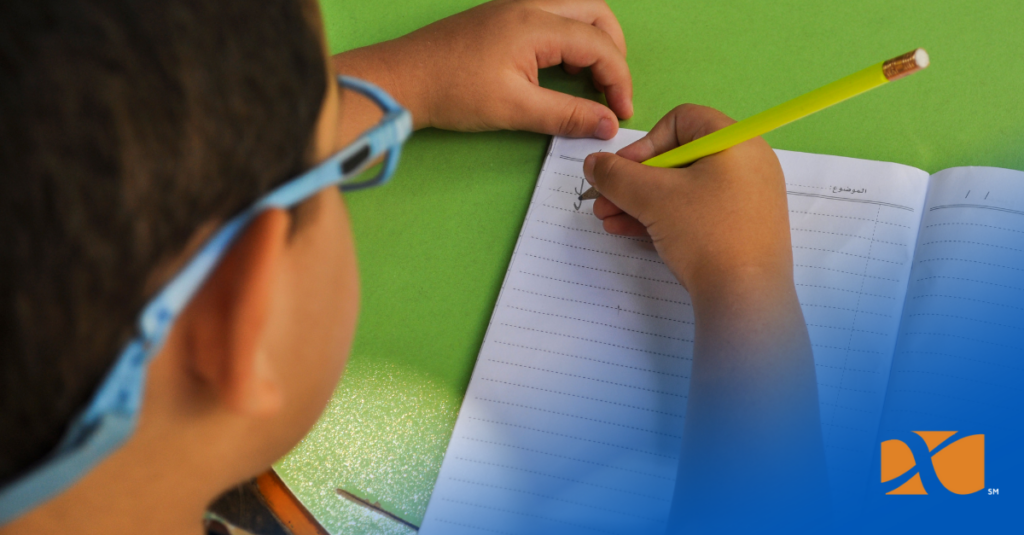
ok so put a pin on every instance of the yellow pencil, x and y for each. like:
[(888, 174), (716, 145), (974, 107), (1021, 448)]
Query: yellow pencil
[(788, 112)]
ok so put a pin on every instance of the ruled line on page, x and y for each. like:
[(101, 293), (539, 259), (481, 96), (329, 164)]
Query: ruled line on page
[(584, 371)]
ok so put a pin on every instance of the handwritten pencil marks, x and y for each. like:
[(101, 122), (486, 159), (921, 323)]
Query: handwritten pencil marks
[(582, 380)]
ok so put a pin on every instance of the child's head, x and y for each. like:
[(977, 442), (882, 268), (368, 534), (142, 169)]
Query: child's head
[(128, 132)]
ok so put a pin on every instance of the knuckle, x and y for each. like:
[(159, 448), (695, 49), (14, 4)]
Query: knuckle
[(686, 109), (606, 166), (574, 120), (718, 120), (602, 6), (589, 33), (607, 42), (519, 15), (713, 118), (760, 146), (701, 120), (611, 225)]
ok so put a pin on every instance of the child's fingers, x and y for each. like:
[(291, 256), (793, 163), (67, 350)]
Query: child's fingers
[(631, 186), (551, 112), (639, 150), (624, 225), (680, 126), (581, 45), (604, 208), (686, 123), (593, 12)]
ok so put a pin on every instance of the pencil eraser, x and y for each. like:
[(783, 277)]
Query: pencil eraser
[(921, 58)]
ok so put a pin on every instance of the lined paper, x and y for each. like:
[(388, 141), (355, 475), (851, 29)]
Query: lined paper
[(960, 357), (854, 226), (573, 418)]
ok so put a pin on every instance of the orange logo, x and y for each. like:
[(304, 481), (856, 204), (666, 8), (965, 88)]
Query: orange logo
[(960, 465)]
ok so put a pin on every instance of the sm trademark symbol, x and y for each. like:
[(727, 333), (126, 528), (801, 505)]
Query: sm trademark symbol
[(993, 492)]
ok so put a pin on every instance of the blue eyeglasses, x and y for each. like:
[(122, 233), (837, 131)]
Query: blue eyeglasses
[(113, 412)]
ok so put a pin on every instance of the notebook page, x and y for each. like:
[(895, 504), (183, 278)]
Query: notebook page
[(854, 224), (959, 364), (573, 417)]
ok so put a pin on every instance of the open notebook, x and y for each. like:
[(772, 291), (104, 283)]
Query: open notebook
[(573, 418)]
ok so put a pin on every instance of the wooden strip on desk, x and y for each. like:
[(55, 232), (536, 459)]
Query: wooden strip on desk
[(288, 509)]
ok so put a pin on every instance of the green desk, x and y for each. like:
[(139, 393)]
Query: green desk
[(434, 245)]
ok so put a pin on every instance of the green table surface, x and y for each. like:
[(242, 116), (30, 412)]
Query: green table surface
[(434, 245)]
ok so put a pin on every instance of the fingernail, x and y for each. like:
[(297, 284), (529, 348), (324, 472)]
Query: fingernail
[(605, 128), (588, 167)]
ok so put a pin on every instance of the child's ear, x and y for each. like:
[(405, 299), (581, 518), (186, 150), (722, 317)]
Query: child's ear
[(227, 320)]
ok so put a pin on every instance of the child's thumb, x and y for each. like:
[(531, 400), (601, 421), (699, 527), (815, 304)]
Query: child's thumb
[(550, 112), (630, 185)]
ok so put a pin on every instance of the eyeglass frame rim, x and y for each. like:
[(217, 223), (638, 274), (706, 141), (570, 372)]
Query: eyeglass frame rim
[(111, 415)]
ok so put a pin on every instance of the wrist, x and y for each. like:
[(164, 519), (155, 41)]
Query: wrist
[(742, 289), (377, 65)]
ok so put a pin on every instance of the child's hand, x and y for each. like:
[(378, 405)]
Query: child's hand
[(477, 70), (726, 215), (722, 226)]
